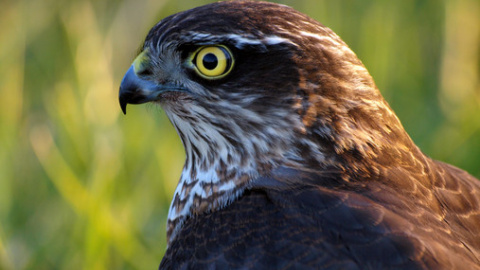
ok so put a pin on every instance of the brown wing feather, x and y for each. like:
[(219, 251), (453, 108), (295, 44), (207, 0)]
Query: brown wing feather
[(278, 224)]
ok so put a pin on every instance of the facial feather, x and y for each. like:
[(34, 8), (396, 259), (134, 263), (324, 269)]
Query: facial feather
[(296, 96)]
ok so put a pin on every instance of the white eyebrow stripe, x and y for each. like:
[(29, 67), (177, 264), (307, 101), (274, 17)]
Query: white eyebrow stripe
[(274, 40), (267, 40), (241, 40), (320, 37), (200, 36)]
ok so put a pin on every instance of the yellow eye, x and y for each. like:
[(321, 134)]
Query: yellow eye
[(213, 62)]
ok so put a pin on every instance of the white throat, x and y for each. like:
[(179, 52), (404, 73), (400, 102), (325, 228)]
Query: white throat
[(223, 157), (211, 177)]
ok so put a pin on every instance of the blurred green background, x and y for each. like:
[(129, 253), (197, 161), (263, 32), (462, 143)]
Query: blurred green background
[(84, 187)]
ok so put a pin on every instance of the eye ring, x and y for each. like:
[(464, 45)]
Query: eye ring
[(212, 62)]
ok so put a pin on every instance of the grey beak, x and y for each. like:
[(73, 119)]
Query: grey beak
[(135, 90)]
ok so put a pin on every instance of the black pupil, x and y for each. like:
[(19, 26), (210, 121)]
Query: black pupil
[(210, 61)]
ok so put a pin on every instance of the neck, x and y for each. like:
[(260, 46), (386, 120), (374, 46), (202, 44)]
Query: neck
[(228, 147), (221, 160)]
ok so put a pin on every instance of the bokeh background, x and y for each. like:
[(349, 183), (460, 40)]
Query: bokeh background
[(84, 187)]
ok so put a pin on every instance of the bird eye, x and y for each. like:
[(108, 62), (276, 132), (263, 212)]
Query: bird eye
[(213, 62)]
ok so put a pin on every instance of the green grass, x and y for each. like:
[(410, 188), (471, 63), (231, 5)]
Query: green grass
[(84, 187)]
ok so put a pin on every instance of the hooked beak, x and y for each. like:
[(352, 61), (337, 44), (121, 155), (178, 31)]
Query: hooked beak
[(137, 90)]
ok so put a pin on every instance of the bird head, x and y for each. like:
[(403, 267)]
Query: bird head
[(250, 86)]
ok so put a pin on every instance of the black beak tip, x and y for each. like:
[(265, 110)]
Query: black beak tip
[(123, 105)]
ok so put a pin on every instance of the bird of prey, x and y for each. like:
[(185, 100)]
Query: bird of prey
[(293, 157)]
